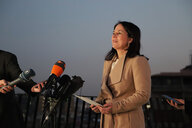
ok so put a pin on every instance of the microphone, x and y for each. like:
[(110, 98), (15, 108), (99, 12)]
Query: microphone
[(64, 83), (76, 83), (56, 71), (23, 77)]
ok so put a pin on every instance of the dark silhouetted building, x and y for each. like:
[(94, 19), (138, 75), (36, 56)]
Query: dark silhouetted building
[(174, 84)]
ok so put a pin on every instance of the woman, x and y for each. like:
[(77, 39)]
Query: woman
[(126, 81)]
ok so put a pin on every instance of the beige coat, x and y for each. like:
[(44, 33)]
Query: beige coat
[(127, 86)]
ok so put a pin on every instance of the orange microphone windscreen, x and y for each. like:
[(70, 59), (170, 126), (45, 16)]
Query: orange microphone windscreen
[(58, 68)]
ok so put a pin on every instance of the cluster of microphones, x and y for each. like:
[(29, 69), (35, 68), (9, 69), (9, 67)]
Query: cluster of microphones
[(56, 85), (56, 88)]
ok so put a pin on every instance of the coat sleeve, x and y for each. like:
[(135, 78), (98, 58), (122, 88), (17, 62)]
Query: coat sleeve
[(12, 67), (13, 71), (142, 83)]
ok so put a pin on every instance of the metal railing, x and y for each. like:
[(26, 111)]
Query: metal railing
[(74, 113), (71, 113)]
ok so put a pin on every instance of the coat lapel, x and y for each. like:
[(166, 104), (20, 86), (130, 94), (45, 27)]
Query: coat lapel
[(107, 69), (116, 73)]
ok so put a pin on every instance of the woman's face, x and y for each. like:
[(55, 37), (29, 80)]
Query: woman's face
[(120, 39)]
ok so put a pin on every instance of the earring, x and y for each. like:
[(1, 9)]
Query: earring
[(128, 45)]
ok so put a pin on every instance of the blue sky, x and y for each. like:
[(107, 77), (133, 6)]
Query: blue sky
[(40, 32)]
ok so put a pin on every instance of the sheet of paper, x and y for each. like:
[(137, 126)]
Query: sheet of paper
[(87, 100)]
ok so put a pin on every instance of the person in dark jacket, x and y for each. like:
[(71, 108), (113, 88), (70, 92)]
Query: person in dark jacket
[(10, 112)]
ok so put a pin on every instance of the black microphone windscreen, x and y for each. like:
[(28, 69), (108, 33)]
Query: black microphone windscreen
[(76, 84), (64, 79), (64, 83)]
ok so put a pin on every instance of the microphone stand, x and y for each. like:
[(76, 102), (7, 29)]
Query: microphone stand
[(51, 100), (49, 118)]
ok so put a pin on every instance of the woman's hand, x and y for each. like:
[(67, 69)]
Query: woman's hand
[(3, 86), (106, 108), (94, 108), (38, 87), (176, 105)]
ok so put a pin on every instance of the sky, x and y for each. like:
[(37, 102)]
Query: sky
[(41, 32)]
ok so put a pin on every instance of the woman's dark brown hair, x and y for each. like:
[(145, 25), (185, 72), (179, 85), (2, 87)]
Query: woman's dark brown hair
[(133, 32)]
